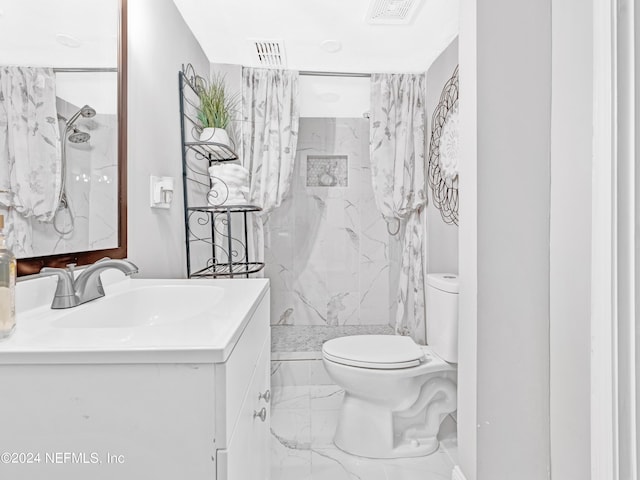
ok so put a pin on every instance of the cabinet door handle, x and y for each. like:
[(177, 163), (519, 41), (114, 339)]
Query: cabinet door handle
[(262, 414), (266, 396)]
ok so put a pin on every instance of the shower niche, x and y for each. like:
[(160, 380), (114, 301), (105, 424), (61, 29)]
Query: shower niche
[(219, 225)]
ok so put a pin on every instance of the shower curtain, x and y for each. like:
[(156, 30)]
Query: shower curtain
[(269, 137), (397, 146), (30, 152)]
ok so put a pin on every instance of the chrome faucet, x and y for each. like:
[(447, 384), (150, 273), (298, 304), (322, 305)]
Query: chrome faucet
[(87, 286)]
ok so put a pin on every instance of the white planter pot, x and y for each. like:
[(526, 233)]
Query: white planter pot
[(218, 136), (215, 135)]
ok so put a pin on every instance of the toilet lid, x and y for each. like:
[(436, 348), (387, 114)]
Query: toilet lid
[(373, 351)]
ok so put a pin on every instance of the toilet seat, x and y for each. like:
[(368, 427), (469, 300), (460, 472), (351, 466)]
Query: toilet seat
[(384, 352)]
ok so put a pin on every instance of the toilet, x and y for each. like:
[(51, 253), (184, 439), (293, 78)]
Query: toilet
[(398, 392)]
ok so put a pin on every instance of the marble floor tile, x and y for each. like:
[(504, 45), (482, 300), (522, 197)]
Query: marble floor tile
[(436, 466), (290, 397), (290, 372), (291, 428), (318, 374), (323, 428), (334, 464), (303, 449), (325, 397), (289, 463)]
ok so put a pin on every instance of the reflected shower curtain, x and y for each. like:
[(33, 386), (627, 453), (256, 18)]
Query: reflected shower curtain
[(30, 151), (397, 145), (270, 114)]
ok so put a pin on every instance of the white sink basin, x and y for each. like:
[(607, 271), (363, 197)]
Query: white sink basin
[(139, 320), (143, 307)]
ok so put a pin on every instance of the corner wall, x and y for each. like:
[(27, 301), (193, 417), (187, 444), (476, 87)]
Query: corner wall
[(571, 166), (504, 239), (159, 43), (442, 239), (467, 244)]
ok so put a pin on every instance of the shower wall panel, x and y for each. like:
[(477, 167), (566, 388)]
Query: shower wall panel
[(92, 190), (327, 249)]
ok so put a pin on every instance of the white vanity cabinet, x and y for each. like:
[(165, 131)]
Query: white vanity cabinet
[(152, 409), (243, 425)]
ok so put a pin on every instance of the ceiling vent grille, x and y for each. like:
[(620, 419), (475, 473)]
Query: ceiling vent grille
[(268, 53), (392, 12)]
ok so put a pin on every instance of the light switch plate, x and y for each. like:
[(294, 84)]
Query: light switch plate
[(161, 191)]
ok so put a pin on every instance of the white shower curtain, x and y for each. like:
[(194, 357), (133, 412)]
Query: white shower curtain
[(397, 146), (30, 151), (269, 138)]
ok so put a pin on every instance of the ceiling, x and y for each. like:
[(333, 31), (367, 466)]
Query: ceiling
[(224, 27), (28, 30)]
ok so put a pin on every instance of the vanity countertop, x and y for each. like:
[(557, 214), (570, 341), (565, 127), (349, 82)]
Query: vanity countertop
[(138, 321)]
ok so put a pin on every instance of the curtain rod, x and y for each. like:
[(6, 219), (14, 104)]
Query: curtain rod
[(80, 70), (311, 73)]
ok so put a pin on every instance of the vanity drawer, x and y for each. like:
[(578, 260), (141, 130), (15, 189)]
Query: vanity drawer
[(233, 377), (247, 456)]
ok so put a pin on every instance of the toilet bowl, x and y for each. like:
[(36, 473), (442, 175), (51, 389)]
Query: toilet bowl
[(397, 392)]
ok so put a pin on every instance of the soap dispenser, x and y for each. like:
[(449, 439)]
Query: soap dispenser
[(7, 286)]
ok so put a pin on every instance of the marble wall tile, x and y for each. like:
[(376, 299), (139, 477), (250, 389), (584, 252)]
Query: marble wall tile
[(327, 171), (328, 248)]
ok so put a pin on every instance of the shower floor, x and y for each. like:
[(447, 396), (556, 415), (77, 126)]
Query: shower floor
[(304, 342)]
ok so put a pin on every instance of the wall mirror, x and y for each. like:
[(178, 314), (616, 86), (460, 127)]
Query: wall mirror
[(63, 130)]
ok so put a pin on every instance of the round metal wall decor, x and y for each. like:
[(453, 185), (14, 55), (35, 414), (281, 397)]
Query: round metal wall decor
[(443, 152)]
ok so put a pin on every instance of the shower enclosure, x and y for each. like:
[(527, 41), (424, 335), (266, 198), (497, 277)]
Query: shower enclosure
[(74, 135), (86, 217), (332, 264)]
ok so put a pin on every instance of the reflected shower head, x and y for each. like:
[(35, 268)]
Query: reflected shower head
[(78, 136), (85, 112)]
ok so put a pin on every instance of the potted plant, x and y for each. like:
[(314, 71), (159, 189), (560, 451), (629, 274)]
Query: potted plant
[(217, 107)]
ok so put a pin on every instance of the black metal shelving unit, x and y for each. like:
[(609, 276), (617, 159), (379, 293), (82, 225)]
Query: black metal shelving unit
[(216, 234)]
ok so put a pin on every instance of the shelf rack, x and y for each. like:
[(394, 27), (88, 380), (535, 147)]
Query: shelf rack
[(216, 234)]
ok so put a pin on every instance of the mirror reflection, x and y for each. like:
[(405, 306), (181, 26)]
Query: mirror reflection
[(59, 125)]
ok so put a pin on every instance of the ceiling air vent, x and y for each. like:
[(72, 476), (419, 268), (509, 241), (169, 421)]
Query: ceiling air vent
[(392, 12), (268, 53)]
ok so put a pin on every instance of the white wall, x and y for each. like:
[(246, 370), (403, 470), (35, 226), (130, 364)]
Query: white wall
[(97, 89), (442, 239), (467, 244), (509, 87), (571, 155), (334, 97), (159, 43)]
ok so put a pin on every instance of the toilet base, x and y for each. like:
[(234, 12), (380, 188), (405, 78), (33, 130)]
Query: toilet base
[(368, 430), (386, 427)]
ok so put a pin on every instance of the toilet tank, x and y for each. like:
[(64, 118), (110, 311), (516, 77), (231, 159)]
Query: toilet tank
[(442, 315)]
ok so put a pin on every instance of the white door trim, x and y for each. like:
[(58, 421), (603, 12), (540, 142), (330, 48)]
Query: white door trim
[(603, 284), (614, 212)]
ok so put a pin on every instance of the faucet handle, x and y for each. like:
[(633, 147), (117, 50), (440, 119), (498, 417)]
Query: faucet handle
[(71, 267), (65, 295)]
